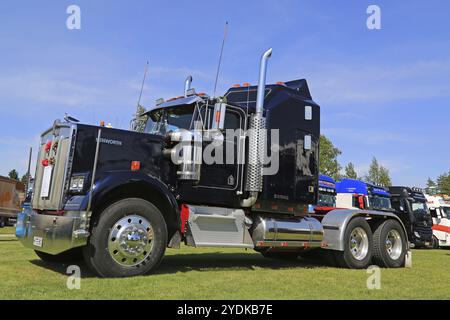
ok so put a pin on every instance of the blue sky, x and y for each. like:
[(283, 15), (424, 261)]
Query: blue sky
[(383, 93)]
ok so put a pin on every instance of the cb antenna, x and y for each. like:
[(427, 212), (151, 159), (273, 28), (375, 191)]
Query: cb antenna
[(220, 57), (142, 89)]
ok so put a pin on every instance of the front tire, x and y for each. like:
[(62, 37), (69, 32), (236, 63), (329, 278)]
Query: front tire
[(128, 238), (389, 242), (358, 243)]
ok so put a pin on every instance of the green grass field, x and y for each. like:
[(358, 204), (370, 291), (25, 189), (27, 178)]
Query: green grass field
[(8, 230), (223, 274)]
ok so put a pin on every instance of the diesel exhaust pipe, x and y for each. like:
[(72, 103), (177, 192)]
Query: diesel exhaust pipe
[(187, 85), (257, 138), (262, 82)]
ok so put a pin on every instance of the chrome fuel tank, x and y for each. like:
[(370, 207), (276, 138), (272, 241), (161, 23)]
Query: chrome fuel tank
[(286, 232)]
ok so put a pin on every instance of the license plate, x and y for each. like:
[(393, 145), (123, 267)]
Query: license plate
[(37, 242)]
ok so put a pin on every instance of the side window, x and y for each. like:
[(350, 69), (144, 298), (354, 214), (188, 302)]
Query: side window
[(232, 120), (206, 114), (395, 204), (433, 213)]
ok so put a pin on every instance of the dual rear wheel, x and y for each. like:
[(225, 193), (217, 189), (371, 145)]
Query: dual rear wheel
[(386, 246)]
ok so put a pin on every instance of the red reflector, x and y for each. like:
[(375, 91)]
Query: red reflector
[(184, 213), (44, 162), (135, 165), (217, 116), (48, 146)]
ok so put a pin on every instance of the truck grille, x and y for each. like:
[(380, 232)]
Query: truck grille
[(53, 167)]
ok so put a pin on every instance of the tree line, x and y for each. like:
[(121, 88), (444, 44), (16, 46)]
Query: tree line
[(440, 185), (330, 166), (13, 174)]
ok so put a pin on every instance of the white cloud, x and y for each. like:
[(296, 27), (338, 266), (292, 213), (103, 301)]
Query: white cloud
[(373, 83)]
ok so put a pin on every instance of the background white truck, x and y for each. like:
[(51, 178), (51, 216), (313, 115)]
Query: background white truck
[(440, 212)]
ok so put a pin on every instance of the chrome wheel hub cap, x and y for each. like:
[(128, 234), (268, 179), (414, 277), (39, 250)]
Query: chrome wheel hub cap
[(394, 244), (130, 240), (359, 243)]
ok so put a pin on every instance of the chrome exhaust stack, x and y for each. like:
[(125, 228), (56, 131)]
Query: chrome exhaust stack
[(257, 138), (187, 85)]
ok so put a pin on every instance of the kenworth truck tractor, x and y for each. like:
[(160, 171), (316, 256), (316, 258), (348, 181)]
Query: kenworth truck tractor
[(410, 205), (121, 197), (440, 213)]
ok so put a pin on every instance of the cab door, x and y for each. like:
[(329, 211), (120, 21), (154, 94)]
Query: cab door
[(221, 168), (221, 173)]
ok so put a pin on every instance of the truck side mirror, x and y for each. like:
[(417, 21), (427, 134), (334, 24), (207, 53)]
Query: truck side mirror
[(219, 116)]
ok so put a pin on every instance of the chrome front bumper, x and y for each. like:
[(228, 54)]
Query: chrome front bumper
[(51, 234)]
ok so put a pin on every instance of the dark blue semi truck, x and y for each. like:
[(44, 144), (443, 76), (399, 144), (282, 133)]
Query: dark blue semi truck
[(409, 204), (120, 197)]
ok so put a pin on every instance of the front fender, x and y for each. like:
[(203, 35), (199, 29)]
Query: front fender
[(109, 181), (335, 223), (110, 185)]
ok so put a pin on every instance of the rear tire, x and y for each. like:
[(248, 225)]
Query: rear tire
[(68, 256), (128, 239), (435, 244), (358, 243), (389, 245)]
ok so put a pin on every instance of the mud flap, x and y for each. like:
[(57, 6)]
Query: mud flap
[(408, 259)]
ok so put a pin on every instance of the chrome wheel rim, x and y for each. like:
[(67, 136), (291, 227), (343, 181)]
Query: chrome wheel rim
[(394, 244), (359, 243), (130, 240)]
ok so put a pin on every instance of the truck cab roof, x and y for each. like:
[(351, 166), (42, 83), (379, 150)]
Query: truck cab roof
[(361, 187), (401, 191), (327, 184), (245, 96)]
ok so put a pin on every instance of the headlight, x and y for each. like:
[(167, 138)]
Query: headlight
[(77, 183)]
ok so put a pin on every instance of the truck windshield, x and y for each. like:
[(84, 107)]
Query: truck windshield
[(380, 203), (327, 200), (419, 207), (445, 212), (163, 121)]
